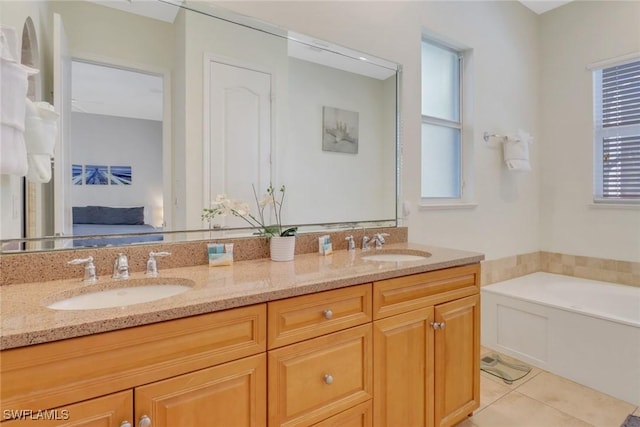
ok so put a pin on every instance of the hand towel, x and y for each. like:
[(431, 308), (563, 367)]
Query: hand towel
[(516, 151), (40, 138)]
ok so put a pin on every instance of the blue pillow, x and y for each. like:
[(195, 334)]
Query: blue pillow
[(108, 216)]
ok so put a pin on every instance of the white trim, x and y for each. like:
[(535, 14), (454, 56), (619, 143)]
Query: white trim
[(608, 204), (444, 206), (611, 62)]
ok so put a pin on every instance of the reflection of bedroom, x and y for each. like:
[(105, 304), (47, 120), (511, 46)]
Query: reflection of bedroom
[(109, 129)]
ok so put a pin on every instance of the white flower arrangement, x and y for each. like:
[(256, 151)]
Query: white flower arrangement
[(223, 206)]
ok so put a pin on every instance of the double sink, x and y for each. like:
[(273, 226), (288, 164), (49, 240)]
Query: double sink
[(123, 293)]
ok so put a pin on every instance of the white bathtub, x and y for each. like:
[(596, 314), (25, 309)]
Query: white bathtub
[(584, 330)]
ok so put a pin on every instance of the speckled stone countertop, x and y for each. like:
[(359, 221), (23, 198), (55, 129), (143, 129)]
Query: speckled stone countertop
[(26, 320)]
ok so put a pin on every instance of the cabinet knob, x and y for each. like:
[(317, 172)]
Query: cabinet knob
[(328, 379), (125, 423), (328, 314), (145, 421), (437, 325)]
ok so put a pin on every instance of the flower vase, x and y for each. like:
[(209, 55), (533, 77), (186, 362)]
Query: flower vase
[(282, 248)]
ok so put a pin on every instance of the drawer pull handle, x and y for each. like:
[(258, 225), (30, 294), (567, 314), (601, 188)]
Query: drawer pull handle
[(437, 325), (328, 314), (125, 424), (145, 421), (328, 379)]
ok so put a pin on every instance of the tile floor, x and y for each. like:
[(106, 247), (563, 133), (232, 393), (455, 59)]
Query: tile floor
[(542, 399)]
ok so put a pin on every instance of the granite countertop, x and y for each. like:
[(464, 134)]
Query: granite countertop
[(26, 320)]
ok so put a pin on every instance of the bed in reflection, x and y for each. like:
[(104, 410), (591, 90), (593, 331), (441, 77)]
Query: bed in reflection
[(104, 221)]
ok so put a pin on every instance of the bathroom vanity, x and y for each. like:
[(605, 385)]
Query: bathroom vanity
[(326, 341)]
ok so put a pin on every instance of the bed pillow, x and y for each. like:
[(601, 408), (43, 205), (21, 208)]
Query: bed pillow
[(108, 216), (84, 214)]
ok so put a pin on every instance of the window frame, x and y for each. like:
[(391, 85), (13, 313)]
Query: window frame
[(461, 199), (600, 132)]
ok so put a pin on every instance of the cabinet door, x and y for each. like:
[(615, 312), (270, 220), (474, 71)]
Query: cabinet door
[(232, 394), (114, 410), (457, 360), (403, 369)]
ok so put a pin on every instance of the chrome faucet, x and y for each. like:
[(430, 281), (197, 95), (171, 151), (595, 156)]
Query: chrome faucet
[(366, 243), (121, 267), (351, 243), (378, 238), (152, 263), (90, 275)]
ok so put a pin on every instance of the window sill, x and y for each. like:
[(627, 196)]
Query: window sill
[(623, 206), (445, 206)]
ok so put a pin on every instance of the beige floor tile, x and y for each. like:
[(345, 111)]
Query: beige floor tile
[(576, 400), (466, 423), (490, 391), (518, 410)]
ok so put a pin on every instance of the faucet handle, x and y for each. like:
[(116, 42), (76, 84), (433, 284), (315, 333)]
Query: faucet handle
[(379, 239), (121, 267), (351, 243), (152, 264), (89, 268)]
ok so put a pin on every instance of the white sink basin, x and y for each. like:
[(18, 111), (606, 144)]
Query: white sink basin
[(396, 257), (120, 297)]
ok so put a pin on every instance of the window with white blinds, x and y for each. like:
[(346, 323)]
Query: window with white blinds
[(617, 133)]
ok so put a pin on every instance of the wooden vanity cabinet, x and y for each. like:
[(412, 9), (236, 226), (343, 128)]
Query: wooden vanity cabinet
[(398, 352), (427, 348), (206, 367)]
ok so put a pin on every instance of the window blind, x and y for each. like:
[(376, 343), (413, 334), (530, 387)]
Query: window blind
[(618, 131), (621, 95)]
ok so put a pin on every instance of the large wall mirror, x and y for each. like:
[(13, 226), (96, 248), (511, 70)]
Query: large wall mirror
[(163, 107)]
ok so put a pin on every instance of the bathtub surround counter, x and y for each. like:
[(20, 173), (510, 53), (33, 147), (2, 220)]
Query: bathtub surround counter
[(26, 320)]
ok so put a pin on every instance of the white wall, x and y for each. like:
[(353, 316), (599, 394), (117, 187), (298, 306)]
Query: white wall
[(504, 97), (321, 175), (118, 141), (572, 37)]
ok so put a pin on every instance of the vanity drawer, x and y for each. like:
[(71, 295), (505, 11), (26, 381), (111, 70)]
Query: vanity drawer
[(402, 294), (62, 372), (316, 379), (358, 416), (309, 316)]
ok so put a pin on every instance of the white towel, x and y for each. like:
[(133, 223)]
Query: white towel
[(13, 92), (13, 152), (516, 151), (40, 138)]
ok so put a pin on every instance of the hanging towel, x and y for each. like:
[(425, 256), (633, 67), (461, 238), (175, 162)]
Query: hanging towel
[(516, 151), (13, 152), (13, 92), (40, 138)]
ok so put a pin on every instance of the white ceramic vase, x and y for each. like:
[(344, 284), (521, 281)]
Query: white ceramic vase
[(282, 248)]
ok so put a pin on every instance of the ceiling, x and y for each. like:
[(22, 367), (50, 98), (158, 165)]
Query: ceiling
[(542, 6), (98, 89)]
